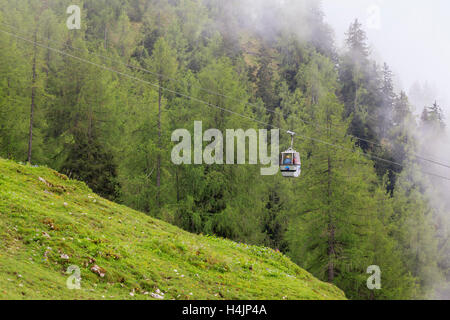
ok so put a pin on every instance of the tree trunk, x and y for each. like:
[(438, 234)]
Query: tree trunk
[(105, 43), (158, 157), (158, 160), (177, 185), (90, 116), (331, 229), (33, 96)]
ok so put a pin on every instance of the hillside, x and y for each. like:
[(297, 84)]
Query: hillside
[(48, 223)]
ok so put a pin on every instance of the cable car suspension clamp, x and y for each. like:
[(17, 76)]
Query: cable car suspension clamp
[(292, 138)]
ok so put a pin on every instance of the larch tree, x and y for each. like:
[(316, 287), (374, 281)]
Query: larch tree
[(164, 63)]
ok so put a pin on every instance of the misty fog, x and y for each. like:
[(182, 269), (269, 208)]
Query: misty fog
[(411, 36)]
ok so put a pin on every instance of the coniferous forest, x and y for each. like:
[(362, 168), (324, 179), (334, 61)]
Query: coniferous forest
[(99, 104)]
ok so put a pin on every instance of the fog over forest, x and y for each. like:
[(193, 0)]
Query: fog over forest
[(411, 36), (365, 182)]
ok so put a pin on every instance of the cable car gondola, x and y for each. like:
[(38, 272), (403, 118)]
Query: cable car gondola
[(290, 163)]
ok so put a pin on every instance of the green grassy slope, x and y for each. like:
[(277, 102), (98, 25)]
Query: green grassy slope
[(48, 223)]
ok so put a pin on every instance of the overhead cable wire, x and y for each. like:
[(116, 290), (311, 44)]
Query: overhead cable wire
[(418, 156), (208, 103)]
